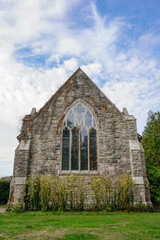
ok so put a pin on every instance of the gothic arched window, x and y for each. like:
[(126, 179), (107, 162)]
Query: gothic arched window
[(79, 139)]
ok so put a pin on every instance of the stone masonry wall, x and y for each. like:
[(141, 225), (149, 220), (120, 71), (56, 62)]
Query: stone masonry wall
[(115, 130)]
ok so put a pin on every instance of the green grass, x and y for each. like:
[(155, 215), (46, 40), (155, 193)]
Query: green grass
[(79, 225)]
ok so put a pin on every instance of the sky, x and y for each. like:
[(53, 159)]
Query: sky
[(117, 44)]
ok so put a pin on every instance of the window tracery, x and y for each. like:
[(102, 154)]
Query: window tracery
[(79, 139)]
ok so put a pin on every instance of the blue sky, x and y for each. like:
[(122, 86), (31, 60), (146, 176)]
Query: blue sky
[(117, 43)]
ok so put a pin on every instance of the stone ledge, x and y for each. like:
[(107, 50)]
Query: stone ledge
[(129, 117), (134, 145), (138, 180), (19, 180), (24, 145), (87, 173)]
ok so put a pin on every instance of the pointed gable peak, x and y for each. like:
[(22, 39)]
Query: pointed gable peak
[(79, 71), (79, 77)]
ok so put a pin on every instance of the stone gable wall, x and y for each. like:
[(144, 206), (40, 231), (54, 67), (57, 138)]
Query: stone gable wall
[(113, 137), (44, 131)]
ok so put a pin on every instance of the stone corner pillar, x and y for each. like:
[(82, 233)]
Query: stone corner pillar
[(138, 170), (20, 172)]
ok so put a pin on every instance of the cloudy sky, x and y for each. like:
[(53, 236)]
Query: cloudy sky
[(116, 42)]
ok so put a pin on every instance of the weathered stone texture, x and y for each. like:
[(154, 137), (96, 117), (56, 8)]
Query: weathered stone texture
[(119, 151)]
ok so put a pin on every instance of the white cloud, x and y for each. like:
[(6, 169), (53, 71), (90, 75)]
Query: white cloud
[(71, 64), (69, 46), (93, 70)]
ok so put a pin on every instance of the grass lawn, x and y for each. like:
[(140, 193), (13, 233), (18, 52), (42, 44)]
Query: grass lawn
[(79, 225)]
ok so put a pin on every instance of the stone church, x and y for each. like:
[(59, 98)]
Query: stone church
[(79, 131)]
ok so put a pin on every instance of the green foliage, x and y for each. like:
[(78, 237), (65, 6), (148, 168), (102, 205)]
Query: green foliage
[(102, 194), (153, 174), (4, 191), (55, 193), (151, 144), (116, 194), (125, 188), (17, 208), (74, 192), (32, 195), (151, 139)]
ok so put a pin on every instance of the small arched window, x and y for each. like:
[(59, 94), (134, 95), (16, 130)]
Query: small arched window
[(79, 139)]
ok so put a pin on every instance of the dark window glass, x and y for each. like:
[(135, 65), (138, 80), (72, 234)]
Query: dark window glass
[(93, 149), (65, 149), (75, 149), (84, 149)]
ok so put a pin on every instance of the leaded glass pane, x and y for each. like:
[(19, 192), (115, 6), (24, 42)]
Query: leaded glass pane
[(65, 149), (84, 149), (64, 124), (79, 109), (88, 119), (75, 149), (93, 149), (94, 123), (70, 119)]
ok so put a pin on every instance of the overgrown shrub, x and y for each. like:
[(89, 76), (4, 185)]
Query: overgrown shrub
[(102, 194), (4, 191), (116, 194), (74, 192), (76, 189), (32, 194), (125, 188)]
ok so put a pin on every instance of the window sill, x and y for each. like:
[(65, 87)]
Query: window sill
[(83, 172)]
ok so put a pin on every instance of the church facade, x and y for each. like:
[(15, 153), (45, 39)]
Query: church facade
[(79, 131)]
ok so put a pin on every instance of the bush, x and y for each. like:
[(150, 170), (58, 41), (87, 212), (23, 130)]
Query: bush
[(4, 191), (116, 194), (79, 192), (153, 174)]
